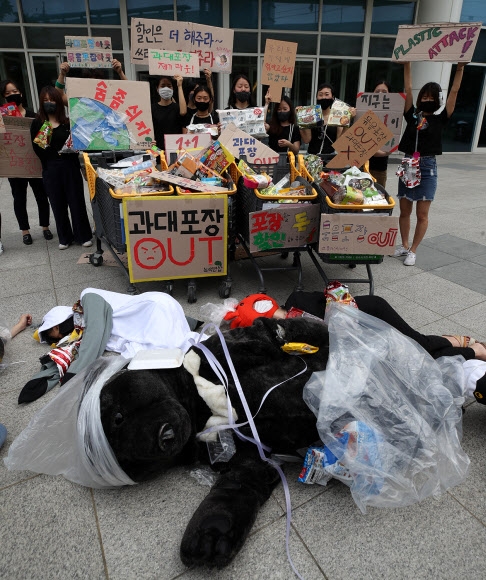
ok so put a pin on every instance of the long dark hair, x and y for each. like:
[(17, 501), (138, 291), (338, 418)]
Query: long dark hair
[(326, 86), (3, 88), (201, 89), (386, 83), (275, 126), (53, 95), (232, 98), (431, 89)]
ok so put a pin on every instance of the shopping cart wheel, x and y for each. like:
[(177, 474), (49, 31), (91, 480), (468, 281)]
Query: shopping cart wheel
[(191, 292), (284, 255), (351, 266), (224, 290), (168, 287), (96, 259)]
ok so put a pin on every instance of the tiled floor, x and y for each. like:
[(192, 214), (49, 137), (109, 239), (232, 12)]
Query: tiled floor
[(53, 529)]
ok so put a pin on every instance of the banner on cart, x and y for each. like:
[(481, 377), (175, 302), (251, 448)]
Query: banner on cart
[(212, 44), (109, 114), (357, 233), (240, 143), (89, 51), (444, 42), (388, 107), (278, 66), (17, 157), (175, 237), (283, 226), (173, 62), (360, 142)]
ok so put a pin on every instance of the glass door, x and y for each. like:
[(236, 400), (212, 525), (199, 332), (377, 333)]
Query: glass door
[(45, 69), (302, 92)]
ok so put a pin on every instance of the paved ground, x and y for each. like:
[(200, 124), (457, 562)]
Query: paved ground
[(51, 528)]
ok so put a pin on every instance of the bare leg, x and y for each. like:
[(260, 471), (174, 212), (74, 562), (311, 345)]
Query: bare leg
[(422, 223), (406, 207)]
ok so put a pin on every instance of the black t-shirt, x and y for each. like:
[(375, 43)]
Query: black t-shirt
[(30, 114), (378, 163), (167, 121), (318, 134), (192, 119), (273, 139), (59, 136), (429, 139)]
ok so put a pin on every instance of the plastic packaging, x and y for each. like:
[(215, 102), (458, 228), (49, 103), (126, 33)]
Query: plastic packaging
[(10, 110), (5, 336), (412, 404), (204, 476), (308, 116), (340, 114), (222, 450), (216, 312), (43, 137), (409, 171)]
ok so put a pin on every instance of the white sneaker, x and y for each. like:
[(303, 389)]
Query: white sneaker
[(1, 248), (400, 251), (87, 244), (63, 246), (410, 259)]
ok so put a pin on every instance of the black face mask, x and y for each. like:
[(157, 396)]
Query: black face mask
[(49, 108), (243, 96), (428, 106), (283, 115), (325, 103), (201, 106), (14, 98)]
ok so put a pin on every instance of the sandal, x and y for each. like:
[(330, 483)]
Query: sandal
[(463, 341)]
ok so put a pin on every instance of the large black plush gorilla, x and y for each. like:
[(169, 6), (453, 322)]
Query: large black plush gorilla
[(151, 419)]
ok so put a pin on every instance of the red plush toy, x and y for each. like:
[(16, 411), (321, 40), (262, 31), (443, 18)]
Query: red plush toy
[(252, 307)]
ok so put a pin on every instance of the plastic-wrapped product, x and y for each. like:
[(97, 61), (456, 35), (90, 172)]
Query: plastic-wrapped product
[(43, 137), (340, 114), (308, 116)]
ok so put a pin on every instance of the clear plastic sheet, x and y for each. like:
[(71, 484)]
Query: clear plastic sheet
[(379, 378)]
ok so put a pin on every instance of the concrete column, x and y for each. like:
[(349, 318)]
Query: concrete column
[(433, 11)]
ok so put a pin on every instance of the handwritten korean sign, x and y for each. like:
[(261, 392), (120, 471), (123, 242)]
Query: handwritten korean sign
[(174, 237), (212, 44), (187, 142), (283, 226), (173, 62), (278, 66), (360, 142), (357, 233), (240, 143), (445, 42), (89, 51), (388, 107), (2, 125), (17, 157), (107, 114)]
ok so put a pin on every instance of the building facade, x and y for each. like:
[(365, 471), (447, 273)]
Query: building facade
[(346, 42)]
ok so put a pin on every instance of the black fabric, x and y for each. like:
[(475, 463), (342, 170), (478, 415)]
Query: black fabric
[(33, 390), (64, 187), (59, 137), (429, 139), (19, 193), (211, 119), (67, 377), (480, 392), (167, 121), (378, 163), (318, 136), (273, 139), (437, 346)]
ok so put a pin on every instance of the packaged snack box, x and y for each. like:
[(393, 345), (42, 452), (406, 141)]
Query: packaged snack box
[(340, 114)]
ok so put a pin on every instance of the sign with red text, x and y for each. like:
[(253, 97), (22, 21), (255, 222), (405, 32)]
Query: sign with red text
[(89, 51), (388, 107), (212, 44), (360, 142), (240, 143), (109, 114), (443, 42), (173, 62), (278, 66), (17, 157), (357, 233), (283, 226), (191, 142), (176, 237)]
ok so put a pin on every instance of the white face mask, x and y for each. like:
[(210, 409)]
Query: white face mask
[(166, 93)]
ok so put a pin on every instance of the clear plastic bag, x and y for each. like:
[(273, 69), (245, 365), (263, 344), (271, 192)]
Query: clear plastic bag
[(388, 412)]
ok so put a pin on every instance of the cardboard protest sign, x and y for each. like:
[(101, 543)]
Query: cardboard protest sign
[(283, 226), (188, 142), (89, 51), (388, 107), (17, 157), (445, 42), (173, 62), (212, 44), (250, 120), (109, 115), (360, 142), (239, 143), (357, 233), (176, 237), (278, 66), (187, 183), (2, 125)]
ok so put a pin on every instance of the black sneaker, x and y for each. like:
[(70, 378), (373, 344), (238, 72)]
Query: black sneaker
[(47, 234), (27, 239)]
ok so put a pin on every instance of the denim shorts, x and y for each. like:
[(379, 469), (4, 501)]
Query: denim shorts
[(425, 190)]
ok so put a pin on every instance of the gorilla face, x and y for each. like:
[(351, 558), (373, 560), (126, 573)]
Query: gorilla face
[(145, 424)]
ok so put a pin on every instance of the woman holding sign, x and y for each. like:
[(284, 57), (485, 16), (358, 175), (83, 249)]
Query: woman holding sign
[(203, 103), (320, 139), (11, 92), (284, 135), (422, 138)]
